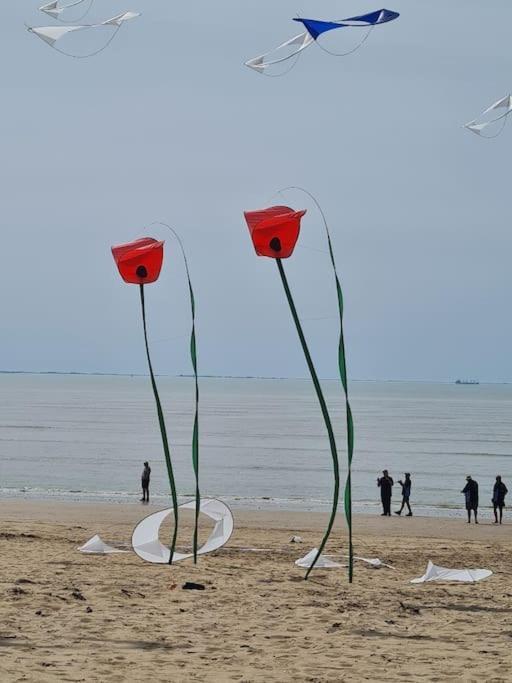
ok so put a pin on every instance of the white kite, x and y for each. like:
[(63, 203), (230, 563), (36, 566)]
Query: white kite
[(293, 47), (435, 573), (96, 546), (54, 10), (496, 112), (145, 537), (323, 561), (51, 34)]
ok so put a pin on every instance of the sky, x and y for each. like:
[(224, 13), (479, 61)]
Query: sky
[(168, 125)]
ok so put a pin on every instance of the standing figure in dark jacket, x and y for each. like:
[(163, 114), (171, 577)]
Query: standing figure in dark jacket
[(471, 493), (406, 494), (385, 483), (498, 498), (146, 475)]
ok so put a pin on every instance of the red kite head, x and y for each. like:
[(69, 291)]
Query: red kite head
[(139, 262), (274, 231)]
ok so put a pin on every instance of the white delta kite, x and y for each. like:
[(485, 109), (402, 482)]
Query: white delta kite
[(496, 113), (96, 546), (51, 34), (435, 573), (55, 9), (323, 562)]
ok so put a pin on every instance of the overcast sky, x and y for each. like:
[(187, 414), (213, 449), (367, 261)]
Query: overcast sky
[(167, 124)]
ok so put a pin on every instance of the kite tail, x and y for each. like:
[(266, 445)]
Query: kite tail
[(91, 54), (349, 52), (498, 132), (295, 59), (163, 430), (193, 358), (76, 19), (342, 365), (325, 413)]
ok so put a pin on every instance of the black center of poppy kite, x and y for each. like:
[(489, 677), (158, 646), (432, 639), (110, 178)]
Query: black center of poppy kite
[(141, 272), (275, 244)]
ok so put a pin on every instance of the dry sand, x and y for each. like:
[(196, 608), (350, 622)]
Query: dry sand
[(65, 616)]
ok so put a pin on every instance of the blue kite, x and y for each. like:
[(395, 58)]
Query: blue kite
[(291, 49)]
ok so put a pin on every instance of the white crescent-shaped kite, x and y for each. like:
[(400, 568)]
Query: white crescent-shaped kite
[(496, 112), (146, 542), (51, 34)]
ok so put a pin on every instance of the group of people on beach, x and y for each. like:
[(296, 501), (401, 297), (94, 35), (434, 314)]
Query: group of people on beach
[(386, 483), (470, 491)]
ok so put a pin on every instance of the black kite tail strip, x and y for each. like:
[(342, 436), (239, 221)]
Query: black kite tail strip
[(323, 406), (342, 365)]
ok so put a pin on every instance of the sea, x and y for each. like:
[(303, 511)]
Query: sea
[(263, 443)]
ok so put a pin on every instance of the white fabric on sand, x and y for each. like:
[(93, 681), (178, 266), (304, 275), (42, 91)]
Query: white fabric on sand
[(95, 545), (435, 573), (323, 561)]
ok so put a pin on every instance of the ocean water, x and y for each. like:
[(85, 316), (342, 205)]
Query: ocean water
[(263, 442)]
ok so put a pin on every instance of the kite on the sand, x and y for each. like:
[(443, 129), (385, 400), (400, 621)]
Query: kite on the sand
[(146, 542), (436, 573), (274, 232), (52, 34), (496, 113), (322, 561), (292, 48), (96, 546), (55, 9)]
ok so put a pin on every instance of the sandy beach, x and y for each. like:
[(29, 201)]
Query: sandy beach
[(72, 617)]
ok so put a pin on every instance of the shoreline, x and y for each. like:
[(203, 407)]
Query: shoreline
[(115, 515), (255, 504)]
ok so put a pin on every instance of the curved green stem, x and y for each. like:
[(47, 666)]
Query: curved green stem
[(342, 366), (163, 430), (193, 358), (323, 407)]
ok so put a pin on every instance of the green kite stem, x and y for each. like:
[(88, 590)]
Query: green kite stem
[(193, 358), (163, 430), (325, 412), (342, 365)]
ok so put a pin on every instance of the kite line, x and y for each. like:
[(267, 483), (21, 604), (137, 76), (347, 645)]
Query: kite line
[(349, 52), (91, 54)]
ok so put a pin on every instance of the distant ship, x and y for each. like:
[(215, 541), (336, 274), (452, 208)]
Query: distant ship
[(467, 381)]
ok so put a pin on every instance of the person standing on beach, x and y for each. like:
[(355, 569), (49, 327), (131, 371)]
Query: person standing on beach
[(385, 483), (406, 494), (146, 475), (471, 493), (498, 498)]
